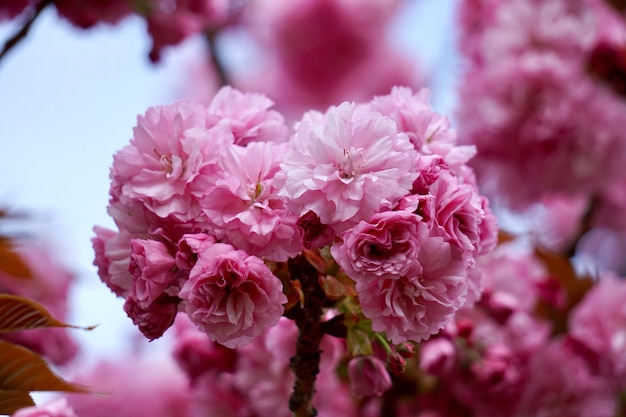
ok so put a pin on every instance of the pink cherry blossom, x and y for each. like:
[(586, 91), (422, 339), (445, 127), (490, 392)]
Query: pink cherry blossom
[(368, 376), (55, 408), (420, 303), (154, 319), (169, 157), (133, 385), (521, 111), (112, 259), (153, 270), (385, 247), (561, 384), (247, 115), (232, 296), (243, 204), (598, 323), (347, 165), (88, 13)]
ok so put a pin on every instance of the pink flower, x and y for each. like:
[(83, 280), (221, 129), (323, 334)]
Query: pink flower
[(598, 323), (347, 165), (387, 246), (168, 160), (315, 235), (368, 376), (248, 116), (134, 385), (112, 259), (421, 302), (189, 246), (55, 408), (232, 296), (244, 206), (154, 319), (153, 270), (521, 111), (88, 13), (561, 384)]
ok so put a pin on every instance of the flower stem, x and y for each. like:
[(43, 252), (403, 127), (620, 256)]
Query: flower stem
[(21, 34), (305, 364)]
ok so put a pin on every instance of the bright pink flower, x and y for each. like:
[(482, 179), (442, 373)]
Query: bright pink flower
[(315, 235), (232, 296), (387, 246), (153, 270), (244, 206), (437, 355), (598, 323), (154, 319), (347, 165), (248, 116), (55, 408), (368, 376), (456, 212), (421, 302), (189, 246), (168, 159)]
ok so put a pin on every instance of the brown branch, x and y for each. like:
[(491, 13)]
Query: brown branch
[(585, 226), (305, 364), (21, 34), (216, 62)]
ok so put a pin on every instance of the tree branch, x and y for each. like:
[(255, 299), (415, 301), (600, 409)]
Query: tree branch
[(21, 34)]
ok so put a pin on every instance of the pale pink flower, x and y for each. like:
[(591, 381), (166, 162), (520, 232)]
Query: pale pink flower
[(55, 408), (232, 296), (168, 160), (153, 270), (347, 165), (386, 246), (421, 302), (368, 376), (248, 116), (243, 203), (597, 322)]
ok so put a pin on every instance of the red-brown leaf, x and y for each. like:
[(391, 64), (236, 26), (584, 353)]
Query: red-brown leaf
[(24, 371), (19, 313), (11, 401), (11, 262)]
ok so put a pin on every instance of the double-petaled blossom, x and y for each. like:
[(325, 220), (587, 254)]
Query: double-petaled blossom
[(232, 296), (346, 165), (243, 203), (55, 408), (422, 301)]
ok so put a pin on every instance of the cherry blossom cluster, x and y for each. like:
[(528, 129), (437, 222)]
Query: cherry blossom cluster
[(169, 22), (534, 101), (210, 201)]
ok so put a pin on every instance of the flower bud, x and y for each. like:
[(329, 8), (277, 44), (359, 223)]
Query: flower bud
[(368, 376)]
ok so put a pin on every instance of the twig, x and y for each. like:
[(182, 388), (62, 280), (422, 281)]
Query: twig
[(216, 62), (305, 364), (21, 34)]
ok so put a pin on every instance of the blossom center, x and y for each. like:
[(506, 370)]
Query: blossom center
[(350, 164)]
